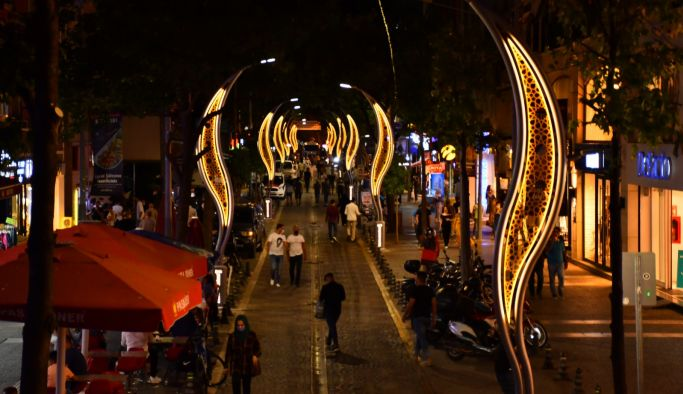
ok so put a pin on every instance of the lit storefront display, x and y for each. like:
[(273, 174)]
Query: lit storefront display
[(653, 181)]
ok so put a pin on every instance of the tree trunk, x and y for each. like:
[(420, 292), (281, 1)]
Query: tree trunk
[(616, 297), (39, 314), (465, 251), (188, 163)]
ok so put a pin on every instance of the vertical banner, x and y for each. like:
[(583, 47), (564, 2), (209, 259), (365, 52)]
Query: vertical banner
[(107, 147)]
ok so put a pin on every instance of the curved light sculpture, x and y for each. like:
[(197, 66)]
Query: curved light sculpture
[(383, 154), (332, 139), (212, 169), (293, 130), (532, 206), (352, 148), (342, 137), (263, 145), (277, 138), (286, 146)]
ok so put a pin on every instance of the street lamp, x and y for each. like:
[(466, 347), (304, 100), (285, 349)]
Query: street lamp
[(385, 148)]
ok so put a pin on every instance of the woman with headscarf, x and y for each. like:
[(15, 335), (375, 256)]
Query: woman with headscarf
[(242, 353)]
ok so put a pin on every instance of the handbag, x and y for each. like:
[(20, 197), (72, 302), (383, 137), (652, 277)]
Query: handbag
[(320, 309), (255, 366)]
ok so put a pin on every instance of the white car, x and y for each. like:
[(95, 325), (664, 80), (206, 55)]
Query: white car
[(277, 187), (287, 168)]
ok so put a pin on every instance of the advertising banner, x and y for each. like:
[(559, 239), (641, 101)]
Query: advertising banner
[(107, 147)]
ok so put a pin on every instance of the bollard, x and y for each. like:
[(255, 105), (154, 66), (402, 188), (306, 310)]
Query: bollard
[(562, 369), (578, 382), (548, 361), (598, 390)]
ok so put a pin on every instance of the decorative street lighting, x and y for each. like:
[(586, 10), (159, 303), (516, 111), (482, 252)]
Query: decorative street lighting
[(533, 202)]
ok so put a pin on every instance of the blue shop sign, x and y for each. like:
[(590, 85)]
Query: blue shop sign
[(650, 165)]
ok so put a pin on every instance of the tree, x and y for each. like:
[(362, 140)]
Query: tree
[(33, 75), (628, 51), (465, 70)]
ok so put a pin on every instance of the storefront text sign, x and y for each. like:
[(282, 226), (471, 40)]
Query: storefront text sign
[(650, 165)]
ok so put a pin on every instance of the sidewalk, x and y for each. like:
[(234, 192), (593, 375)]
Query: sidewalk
[(578, 326)]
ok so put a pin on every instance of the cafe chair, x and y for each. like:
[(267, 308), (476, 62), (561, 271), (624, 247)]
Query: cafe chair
[(132, 364), (173, 356), (103, 386)]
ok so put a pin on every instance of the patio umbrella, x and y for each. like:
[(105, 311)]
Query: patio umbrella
[(100, 292), (101, 239)]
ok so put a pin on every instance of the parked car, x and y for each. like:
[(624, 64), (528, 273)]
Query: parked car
[(287, 168), (249, 228), (277, 187)]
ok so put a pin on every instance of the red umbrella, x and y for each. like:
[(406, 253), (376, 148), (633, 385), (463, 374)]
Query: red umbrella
[(102, 292), (103, 240)]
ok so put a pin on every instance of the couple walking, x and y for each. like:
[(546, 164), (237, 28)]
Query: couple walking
[(293, 244), (351, 212)]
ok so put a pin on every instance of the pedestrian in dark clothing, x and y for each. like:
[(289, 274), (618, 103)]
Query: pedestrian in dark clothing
[(307, 178), (332, 294), (242, 353), (447, 223), (556, 263), (326, 191), (316, 190), (421, 309), (210, 295), (332, 218), (340, 191), (298, 191), (536, 280)]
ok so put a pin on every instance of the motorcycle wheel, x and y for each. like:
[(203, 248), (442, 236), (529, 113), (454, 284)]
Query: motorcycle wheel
[(454, 354), (535, 334)]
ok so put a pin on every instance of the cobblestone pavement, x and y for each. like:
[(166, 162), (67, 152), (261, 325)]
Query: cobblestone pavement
[(373, 359)]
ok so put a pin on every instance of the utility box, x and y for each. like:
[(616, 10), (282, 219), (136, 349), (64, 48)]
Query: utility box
[(646, 281)]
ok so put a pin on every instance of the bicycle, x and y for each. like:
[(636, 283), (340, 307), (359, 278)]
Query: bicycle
[(209, 368)]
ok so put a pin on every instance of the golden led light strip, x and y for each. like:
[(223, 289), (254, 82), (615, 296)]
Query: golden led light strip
[(533, 204), (342, 137), (384, 152), (263, 145), (211, 166), (287, 146), (293, 137), (277, 138), (333, 140), (353, 142)]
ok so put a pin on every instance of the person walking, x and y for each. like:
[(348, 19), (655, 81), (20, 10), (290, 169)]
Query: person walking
[(316, 191), (289, 191), (326, 191), (242, 356), (352, 213), (556, 263), (297, 253), (536, 280), (421, 310), (430, 249), (447, 215), (298, 191), (332, 218), (332, 295), (307, 177), (276, 249)]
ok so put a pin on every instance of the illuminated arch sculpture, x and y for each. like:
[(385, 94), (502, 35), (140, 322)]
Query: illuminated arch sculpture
[(352, 148), (211, 166), (533, 204)]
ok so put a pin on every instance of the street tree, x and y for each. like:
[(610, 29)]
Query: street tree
[(629, 54), (32, 68), (465, 70)]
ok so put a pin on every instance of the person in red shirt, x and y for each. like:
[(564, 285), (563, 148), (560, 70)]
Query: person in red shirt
[(332, 218), (430, 249)]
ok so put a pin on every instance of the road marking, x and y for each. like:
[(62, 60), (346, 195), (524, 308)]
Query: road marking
[(318, 354), (592, 322), (12, 340), (244, 302), (580, 335)]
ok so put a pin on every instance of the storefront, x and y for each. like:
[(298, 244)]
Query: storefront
[(653, 182)]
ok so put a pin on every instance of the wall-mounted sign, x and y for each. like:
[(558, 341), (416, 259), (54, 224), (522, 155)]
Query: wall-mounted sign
[(654, 166)]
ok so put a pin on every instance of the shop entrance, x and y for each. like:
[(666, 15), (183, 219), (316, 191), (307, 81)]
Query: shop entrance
[(596, 220)]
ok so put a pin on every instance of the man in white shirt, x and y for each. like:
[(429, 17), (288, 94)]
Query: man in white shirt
[(297, 251), (352, 212), (276, 249)]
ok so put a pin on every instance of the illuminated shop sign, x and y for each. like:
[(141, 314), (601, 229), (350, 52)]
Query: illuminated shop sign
[(650, 165)]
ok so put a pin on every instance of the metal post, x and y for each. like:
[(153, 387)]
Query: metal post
[(639, 327), (83, 176), (479, 184), (168, 229)]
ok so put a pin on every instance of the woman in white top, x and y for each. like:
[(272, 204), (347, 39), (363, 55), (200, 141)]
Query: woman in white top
[(295, 245)]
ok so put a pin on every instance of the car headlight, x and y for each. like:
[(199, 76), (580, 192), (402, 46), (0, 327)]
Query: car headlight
[(247, 233)]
